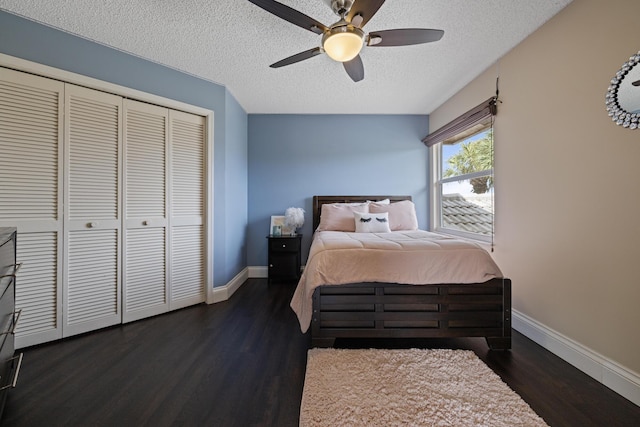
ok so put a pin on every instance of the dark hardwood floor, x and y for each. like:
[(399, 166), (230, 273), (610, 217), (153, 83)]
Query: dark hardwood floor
[(241, 363)]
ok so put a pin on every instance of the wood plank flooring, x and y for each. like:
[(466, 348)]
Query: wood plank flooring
[(241, 363)]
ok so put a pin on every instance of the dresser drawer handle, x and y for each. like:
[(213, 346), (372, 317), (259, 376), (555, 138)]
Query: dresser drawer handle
[(12, 327), (16, 372), (16, 268)]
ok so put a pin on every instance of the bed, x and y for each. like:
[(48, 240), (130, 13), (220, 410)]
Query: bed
[(443, 298)]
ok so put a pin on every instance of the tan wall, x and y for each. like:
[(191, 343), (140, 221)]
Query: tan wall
[(568, 178)]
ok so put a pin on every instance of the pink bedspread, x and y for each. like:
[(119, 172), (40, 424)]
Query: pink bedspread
[(410, 257)]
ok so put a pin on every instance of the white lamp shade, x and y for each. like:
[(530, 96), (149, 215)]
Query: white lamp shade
[(343, 46)]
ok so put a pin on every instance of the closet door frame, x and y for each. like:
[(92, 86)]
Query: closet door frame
[(23, 65)]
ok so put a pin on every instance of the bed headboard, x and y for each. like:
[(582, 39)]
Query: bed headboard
[(318, 201)]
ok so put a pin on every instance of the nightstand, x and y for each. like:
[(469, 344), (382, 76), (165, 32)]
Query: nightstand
[(284, 257)]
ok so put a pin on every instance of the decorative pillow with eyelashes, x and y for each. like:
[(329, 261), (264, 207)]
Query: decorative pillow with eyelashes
[(372, 222)]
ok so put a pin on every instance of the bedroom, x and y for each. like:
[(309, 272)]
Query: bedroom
[(566, 228)]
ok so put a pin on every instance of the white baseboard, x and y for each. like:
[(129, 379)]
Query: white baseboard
[(223, 293), (618, 378), (258, 272), (262, 272)]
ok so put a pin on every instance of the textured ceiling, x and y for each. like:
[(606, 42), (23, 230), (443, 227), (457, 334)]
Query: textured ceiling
[(233, 42)]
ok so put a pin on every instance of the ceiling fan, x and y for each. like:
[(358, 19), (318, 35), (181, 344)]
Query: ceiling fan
[(344, 40)]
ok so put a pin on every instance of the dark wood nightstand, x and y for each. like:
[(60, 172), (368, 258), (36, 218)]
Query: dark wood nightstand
[(284, 257)]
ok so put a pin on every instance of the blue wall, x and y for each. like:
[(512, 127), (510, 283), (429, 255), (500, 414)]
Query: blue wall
[(236, 187), (294, 157), (38, 43)]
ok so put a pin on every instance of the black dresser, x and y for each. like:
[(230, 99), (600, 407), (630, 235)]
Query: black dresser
[(9, 364)]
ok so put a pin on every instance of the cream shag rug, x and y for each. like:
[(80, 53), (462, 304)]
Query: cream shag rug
[(407, 388)]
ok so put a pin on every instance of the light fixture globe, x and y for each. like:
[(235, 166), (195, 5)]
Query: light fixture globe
[(343, 42)]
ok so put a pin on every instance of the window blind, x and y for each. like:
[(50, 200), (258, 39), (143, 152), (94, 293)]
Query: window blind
[(478, 115)]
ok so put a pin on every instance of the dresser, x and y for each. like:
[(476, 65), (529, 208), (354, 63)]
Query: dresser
[(284, 257), (9, 364)]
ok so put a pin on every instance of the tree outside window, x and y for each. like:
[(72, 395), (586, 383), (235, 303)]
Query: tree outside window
[(474, 156)]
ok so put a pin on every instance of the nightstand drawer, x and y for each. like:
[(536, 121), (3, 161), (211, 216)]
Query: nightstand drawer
[(284, 245)]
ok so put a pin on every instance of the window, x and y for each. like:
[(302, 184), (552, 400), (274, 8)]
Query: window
[(462, 192)]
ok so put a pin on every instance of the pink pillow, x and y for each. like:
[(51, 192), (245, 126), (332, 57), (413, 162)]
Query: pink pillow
[(402, 215), (339, 216)]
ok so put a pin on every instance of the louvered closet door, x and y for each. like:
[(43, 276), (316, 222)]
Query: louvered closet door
[(187, 158), (145, 271), (93, 210), (31, 197)]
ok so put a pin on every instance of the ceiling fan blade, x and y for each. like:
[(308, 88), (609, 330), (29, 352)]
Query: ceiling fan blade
[(297, 57), (355, 68), (364, 8), (404, 37), (291, 15)]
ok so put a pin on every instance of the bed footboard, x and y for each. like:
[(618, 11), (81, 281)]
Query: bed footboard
[(389, 310)]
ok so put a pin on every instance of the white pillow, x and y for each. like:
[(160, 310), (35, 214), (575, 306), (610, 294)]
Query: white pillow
[(372, 223)]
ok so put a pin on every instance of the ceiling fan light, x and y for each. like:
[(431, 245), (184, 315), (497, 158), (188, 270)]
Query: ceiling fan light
[(343, 43)]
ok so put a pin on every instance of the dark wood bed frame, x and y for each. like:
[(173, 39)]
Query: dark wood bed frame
[(392, 310)]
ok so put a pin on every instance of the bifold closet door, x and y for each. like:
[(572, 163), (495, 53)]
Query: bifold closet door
[(108, 196), (31, 197), (146, 205), (92, 297), (187, 158)]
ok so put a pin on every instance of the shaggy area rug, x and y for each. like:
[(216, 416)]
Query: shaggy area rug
[(407, 388)]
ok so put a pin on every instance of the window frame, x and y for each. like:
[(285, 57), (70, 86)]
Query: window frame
[(478, 119)]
